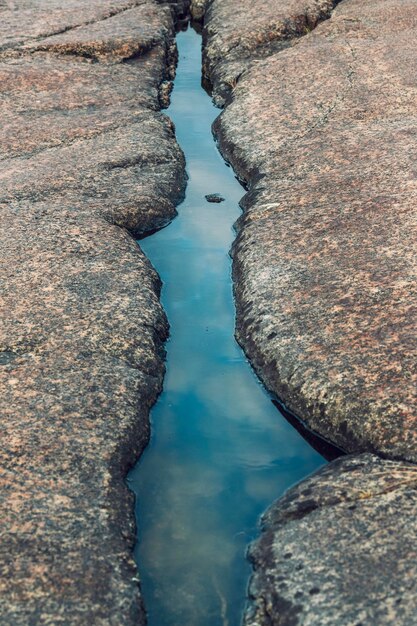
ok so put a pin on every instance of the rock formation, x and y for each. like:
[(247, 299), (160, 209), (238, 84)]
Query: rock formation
[(86, 157), (319, 123), (340, 548)]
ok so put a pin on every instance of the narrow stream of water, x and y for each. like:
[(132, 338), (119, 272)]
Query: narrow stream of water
[(220, 451)]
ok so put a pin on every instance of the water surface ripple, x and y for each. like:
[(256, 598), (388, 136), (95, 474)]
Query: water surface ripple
[(220, 451)]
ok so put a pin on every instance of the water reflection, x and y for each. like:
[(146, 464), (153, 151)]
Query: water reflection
[(220, 451)]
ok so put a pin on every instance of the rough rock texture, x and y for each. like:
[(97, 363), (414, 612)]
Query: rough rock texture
[(235, 35), (323, 133), (321, 129), (198, 9), (340, 548), (85, 154), (180, 8)]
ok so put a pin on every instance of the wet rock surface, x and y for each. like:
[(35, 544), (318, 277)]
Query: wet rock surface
[(340, 548), (214, 197), (320, 126), (324, 262), (85, 154)]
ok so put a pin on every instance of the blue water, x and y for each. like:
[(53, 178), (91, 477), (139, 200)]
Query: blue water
[(220, 451)]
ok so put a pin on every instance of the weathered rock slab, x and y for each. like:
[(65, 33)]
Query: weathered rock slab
[(85, 157), (323, 133), (236, 35), (340, 548)]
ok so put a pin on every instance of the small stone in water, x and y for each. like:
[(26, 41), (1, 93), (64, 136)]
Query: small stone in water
[(214, 197)]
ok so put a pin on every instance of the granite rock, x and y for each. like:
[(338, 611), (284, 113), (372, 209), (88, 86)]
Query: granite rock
[(323, 135), (86, 156), (235, 35), (339, 548), (320, 127)]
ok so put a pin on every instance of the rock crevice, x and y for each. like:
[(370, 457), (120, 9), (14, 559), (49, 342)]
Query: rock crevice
[(324, 253), (322, 132), (235, 39)]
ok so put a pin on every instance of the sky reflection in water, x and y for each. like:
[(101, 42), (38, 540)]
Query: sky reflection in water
[(220, 451)]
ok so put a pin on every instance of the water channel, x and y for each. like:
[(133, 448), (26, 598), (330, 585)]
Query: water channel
[(220, 451)]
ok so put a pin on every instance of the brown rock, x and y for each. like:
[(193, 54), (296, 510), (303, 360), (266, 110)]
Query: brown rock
[(27, 20), (128, 34), (324, 262), (84, 153)]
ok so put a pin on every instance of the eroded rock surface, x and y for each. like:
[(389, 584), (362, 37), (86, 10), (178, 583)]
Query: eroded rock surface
[(85, 154), (340, 548), (323, 133), (235, 35)]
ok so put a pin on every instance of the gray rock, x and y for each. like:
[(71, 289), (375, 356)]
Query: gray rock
[(214, 197), (198, 9), (340, 548)]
